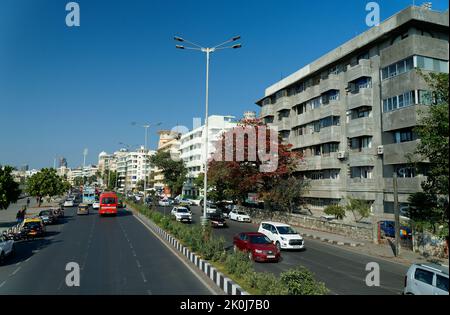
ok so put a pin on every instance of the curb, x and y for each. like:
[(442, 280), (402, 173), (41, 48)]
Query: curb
[(224, 283), (334, 242)]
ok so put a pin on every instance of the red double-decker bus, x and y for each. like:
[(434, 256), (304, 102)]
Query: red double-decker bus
[(108, 203)]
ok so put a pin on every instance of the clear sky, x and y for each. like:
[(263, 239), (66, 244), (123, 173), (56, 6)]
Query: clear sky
[(65, 89)]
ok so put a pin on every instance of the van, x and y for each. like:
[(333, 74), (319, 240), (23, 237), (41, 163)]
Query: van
[(426, 279)]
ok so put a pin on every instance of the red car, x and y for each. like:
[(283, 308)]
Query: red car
[(258, 246)]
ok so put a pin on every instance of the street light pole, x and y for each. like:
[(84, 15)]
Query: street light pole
[(205, 178), (145, 162), (208, 51)]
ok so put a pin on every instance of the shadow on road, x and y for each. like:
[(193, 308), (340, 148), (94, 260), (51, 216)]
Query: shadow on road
[(26, 249)]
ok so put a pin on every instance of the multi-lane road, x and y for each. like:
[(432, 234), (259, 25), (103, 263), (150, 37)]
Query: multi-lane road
[(342, 270), (116, 255)]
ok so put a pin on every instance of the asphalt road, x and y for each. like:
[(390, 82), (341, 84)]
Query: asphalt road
[(342, 270), (116, 255)]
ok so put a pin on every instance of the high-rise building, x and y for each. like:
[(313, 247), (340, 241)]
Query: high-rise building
[(192, 148), (352, 112)]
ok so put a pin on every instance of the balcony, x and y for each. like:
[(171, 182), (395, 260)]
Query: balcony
[(331, 83), (333, 108), (319, 163), (282, 103), (363, 126), (325, 188), (330, 134), (362, 184), (365, 157), (309, 93), (362, 98), (284, 123), (403, 118), (266, 110), (396, 153), (362, 69), (407, 185)]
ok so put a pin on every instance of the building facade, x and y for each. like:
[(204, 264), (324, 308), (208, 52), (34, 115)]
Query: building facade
[(352, 112), (169, 141), (192, 148)]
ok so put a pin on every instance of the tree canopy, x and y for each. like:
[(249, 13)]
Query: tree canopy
[(46, 183), (9, 189), (174, 171)]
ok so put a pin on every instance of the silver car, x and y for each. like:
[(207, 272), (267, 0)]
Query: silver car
[(426, 279)]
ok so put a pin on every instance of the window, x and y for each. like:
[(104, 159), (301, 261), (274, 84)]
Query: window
[(361, 172), (361, 112), (426, 98), (424, 276), (399, 101), (404, 135), (431, 64), (397, 68), (360, 143), (442, 283)]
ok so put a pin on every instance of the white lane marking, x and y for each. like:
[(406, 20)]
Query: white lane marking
[(134, 253), (149, 292), (2, 284), (206, 285), (18, 263), (28, 259), (131, 246), (143, 277), (138, 263), (16, 271)]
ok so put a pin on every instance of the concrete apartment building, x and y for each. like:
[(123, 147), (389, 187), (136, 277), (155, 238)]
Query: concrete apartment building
[(352, 111), (192, 148)]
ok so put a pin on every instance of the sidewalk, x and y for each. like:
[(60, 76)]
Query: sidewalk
[(8, 216), (383, 251)]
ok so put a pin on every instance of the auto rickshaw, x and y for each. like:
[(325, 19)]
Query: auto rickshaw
[(83, 209)]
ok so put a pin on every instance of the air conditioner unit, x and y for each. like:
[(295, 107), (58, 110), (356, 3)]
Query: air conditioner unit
[(341, 155), (380, 150)]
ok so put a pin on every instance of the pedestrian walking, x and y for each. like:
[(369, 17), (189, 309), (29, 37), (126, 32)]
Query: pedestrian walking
[(28, 202)]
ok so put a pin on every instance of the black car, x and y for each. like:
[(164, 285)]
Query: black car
[(47, 217), (216, 219)]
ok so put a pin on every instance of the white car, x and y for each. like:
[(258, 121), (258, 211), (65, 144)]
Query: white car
[(182, 214), (426, 279), (6, 248), (239, 215), (96, 205), (68, 203), (164, 203), (283, 235)]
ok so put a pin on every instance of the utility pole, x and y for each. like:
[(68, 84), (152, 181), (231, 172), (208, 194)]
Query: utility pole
[(396, 215)]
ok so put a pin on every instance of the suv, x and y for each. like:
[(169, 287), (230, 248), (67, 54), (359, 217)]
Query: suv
[(283, 235), (426, 279)]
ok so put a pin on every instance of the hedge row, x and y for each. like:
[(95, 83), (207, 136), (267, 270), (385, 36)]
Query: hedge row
[(298, 281)]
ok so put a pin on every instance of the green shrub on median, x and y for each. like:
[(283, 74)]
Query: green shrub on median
[(300, 281)]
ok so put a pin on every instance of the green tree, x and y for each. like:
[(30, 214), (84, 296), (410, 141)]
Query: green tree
[(359, 208), (9, 188), (173, 170), (336, 210), (112, 180), (301, 281), (287, 194), (430, 208), (78, 181), (140, 185), (46, 183)]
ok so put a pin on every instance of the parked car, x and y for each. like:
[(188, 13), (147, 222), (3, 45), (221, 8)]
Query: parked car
[(83, 209), (258, 246), (69, 203), (283, 235), (388, 229), (96, 205), (217, 220), (6, 248), (239, 215), (48, 217), (182, 214), (426, 279), (32, 228)]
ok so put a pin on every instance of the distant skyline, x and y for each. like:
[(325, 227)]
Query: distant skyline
[(65, 89)]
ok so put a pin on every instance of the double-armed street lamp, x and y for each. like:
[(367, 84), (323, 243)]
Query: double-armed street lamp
[(207, 51)]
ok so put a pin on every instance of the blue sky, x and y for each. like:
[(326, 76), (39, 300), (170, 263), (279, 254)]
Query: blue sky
[(65, 89)]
